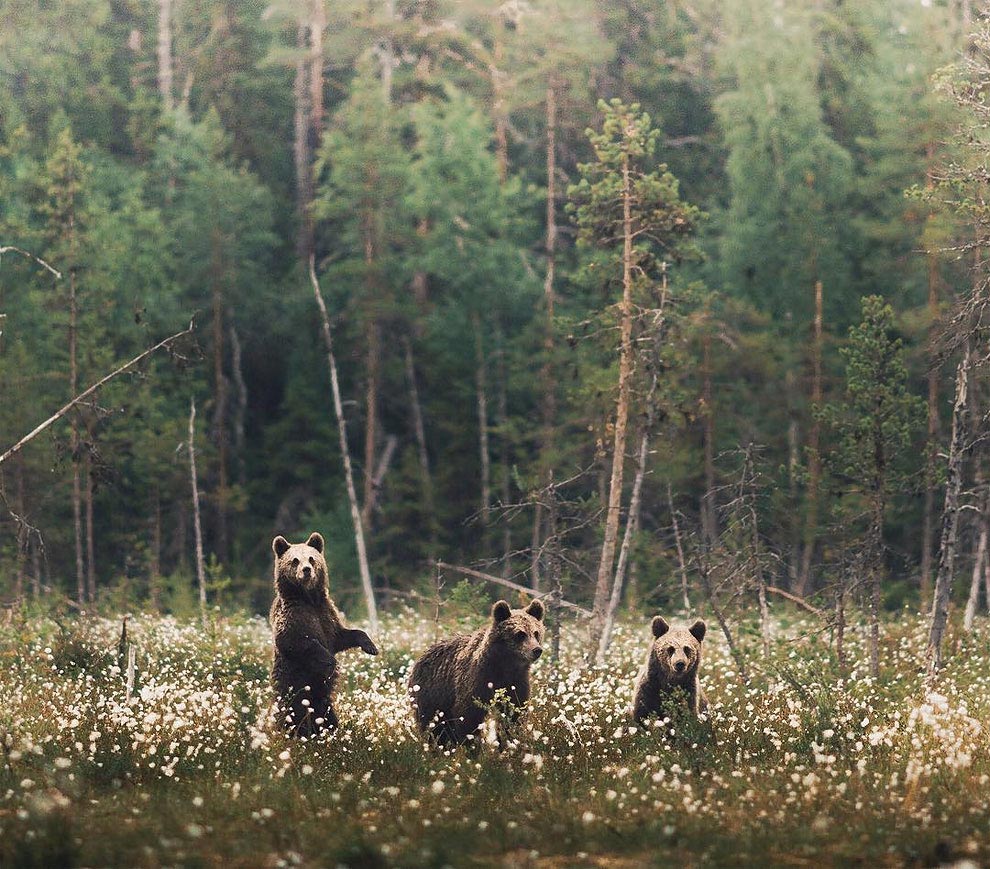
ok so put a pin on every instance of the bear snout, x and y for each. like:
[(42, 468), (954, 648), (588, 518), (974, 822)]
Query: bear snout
[(680, 666), (537, 652)]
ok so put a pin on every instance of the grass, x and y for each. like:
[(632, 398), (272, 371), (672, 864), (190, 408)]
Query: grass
[(804, 766)]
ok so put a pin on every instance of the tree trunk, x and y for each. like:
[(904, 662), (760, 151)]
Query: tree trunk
[(197, 525), (621, 417), (876, 561), (338, 406), (241, 402), (23, 531), (950, 518), (814, 449), (373, 359), (300, 148), (793, 466), (632, 526), (840, 626), (220, 407), (709, 519), (704, 573), (90, 542), (74, 435), (426, 478), (931, 444), (549, 299), (979, 563), (155, 565), (36, 569), (502, 421), (317, 25), (680, 549), (165, 76), (481, 388)]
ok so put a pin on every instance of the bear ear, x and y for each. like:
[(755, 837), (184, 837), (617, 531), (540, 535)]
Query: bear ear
[(316, 541), (280, 546), (501, 611), (660, 626), (698, 629), (536, 610)]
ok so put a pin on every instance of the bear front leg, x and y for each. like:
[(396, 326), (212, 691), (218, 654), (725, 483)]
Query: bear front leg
[(298, 647), (353, 638)]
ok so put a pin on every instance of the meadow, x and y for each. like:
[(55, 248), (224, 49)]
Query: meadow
[(802, 766)]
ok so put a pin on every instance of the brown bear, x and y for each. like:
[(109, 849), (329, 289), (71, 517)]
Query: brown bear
[(673, 663), (308, 631), (454, 682)]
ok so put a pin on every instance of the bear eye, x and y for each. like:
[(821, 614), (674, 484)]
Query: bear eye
[(687, 650), (520, 635), (295, 562), (670, 651), (312, 560)]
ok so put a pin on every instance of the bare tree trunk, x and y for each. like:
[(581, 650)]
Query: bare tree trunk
[(197, 526), (931, 444), (502, 421), (373, 358), (240, 406), (387, 53), (36, 570), (300, 148), (553, 569), (549, 299), (814, 449), (90, 542), (155, 566), (979, 563), (317, 25), (632, 526), (680, 548), (219, 394), (876, 574), (793, 466), (606, 563), (481, 388), (23, 532), (74, 433), (426, 478), (709, 520), (338, 406), (165, 77), (950, 517)]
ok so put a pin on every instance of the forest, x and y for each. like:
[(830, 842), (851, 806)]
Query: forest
[(769, 343)]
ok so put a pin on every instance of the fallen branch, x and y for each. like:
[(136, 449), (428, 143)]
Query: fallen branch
[(55, 417), (487, 577), (12, 249), (800, 601)]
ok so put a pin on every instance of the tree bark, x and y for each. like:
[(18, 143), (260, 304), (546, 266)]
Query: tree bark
[(793, 465), (373, 358), (549, 299), (814, 448), (426, 477), (505, 443), (74, 432), (680, 549), (165, 75), (709, 519), (317, 26), (979, 565), (481, 389), (622, 414), (23, 532), (240, 406), (155, 563), (950, 518), (197, 525), (219, 394), (338, 406), (300, 148), (90, 542)]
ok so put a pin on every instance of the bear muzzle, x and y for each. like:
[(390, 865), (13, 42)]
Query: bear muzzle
[(537, 652)]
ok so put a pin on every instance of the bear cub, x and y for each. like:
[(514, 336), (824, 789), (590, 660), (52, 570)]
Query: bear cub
[(673, 663), (453, 684), (308, 631)]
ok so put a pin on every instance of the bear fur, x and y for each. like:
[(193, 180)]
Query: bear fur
[(672, 664), (308, 631), (453, 684)]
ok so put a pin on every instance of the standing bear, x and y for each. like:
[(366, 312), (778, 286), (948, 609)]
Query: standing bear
[(308, 631), (454, 683), (672, 664)]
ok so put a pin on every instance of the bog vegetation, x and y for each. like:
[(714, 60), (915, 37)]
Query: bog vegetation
[(800, 764)]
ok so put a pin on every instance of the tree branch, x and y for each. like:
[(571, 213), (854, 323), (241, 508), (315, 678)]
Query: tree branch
[(55, 417)]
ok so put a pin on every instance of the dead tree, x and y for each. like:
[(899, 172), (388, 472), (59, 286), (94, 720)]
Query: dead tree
[(338, 406), (197, 526)]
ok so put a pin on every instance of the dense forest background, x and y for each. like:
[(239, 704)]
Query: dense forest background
[(180, 160)]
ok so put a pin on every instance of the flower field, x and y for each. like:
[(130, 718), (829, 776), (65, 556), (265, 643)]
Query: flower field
[(800, 767)]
